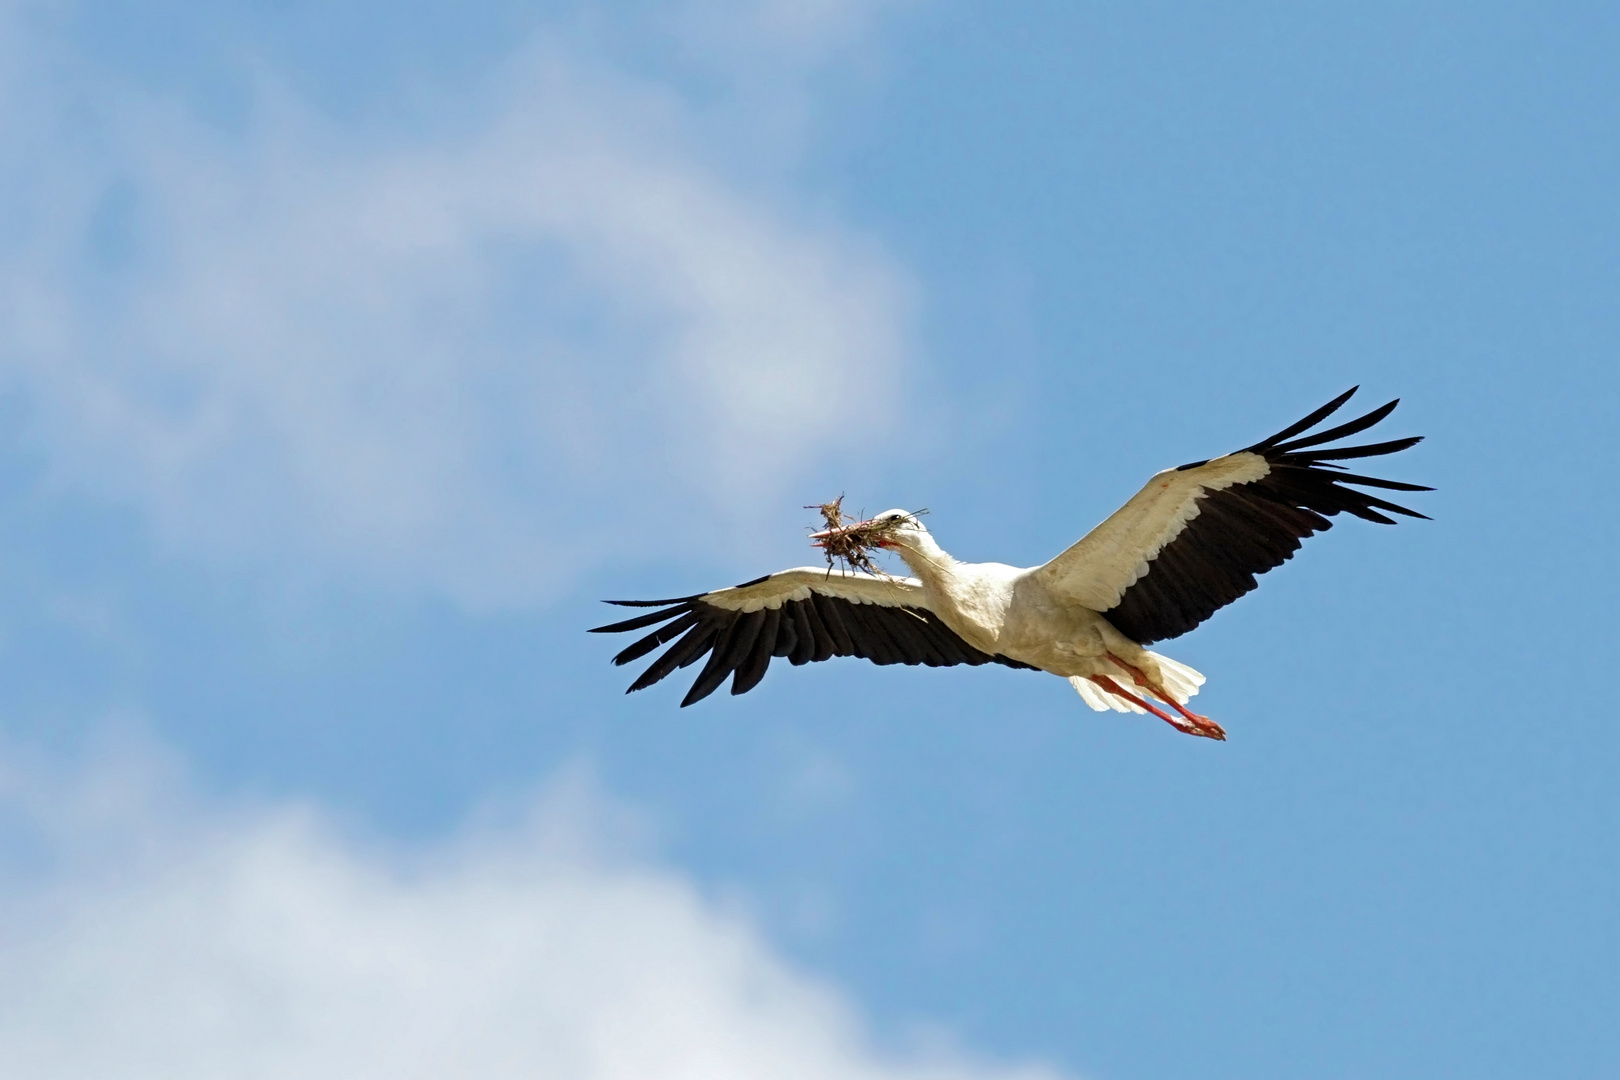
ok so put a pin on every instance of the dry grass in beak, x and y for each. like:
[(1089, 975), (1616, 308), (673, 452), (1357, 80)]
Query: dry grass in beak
[(850, 543)]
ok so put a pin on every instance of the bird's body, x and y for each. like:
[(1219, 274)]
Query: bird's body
[(1188, 543), (1009, 611)]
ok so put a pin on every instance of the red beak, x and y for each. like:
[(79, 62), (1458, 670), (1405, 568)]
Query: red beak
[(818, 537)]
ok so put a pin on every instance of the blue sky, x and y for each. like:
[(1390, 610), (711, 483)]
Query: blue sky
[(352, 352)]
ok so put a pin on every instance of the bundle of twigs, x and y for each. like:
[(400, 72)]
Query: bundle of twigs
[(850, 542)]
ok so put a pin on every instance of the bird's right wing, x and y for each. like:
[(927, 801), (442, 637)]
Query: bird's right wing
[(1193, 539), (801, 615)]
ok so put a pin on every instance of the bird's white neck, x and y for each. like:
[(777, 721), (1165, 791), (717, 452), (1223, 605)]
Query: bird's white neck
[(927, 560)]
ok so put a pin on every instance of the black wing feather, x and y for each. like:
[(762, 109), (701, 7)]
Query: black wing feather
[(1306, 424), (1374, 450), (805, 650), (1247, 529), (826, 644), (752, 670), (664, 633), (787, 637), (650, 619), (697, 641), (714, 672), (832, 618), (1344, 431)]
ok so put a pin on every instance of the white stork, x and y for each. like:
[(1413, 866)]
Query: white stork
[(1188, 543)]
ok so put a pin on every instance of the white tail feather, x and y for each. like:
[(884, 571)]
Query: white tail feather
[(1100, 699), (1180, 682)]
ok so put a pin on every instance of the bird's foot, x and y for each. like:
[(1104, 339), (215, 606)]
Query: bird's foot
[(1196, 724), (1203, 727)]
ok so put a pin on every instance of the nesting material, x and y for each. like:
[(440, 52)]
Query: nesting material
[(851, 543)]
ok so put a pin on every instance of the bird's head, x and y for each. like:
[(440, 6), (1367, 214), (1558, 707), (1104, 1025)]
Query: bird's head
[(895, 528)]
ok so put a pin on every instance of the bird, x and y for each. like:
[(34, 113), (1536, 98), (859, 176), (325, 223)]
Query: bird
[(1189, 543)]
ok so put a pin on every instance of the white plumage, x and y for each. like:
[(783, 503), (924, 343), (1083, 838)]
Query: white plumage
[(1190, 542)]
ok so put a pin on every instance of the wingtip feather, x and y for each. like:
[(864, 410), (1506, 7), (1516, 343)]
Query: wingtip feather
[(1305, 424)]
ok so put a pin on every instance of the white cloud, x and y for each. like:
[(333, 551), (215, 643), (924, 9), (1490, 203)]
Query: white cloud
[(156, 938), (454, 354)]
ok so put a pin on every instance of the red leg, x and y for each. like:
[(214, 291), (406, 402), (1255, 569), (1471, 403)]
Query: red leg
[(1206, 726), (1113, 687)]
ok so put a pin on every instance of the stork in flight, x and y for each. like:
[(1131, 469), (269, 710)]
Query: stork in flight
[(1187, 544)]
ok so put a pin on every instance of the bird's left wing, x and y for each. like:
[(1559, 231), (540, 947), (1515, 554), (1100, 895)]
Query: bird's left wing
[(1193, 539), (802, 615)]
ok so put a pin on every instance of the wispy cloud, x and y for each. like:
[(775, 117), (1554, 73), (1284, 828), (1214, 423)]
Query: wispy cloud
[(453, 354), (157, 937)]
